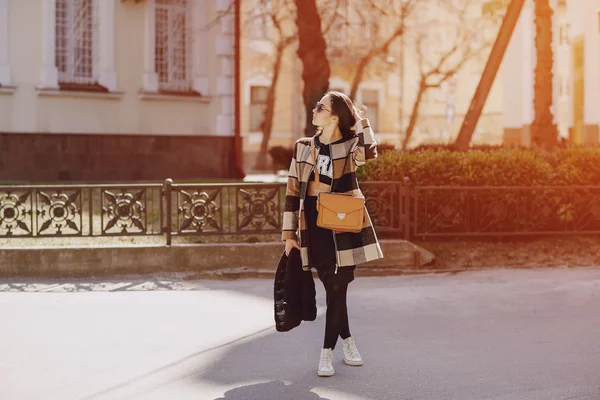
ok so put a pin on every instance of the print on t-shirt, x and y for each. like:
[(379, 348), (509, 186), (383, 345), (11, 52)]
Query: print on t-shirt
[(324, 166)]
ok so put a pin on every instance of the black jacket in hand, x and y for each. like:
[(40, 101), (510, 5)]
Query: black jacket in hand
[(294, 293)]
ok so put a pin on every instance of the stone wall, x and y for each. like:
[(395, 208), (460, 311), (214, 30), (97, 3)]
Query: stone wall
[(34, 157)]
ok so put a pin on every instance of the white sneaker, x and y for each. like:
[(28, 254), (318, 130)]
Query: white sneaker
[(325, 363), (351, 355)]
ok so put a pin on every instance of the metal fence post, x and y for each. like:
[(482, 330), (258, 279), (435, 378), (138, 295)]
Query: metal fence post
[(406, 206), (167, 193)]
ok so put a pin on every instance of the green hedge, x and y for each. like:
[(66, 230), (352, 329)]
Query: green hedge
[(490, 167)]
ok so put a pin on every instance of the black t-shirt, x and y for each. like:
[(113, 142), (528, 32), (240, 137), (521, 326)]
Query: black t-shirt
[(324, 164)]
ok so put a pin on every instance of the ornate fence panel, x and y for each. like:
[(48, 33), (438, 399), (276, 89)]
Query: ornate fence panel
[(16, 212), (397, 209), (80, 210), (223, 209), (388, 204)]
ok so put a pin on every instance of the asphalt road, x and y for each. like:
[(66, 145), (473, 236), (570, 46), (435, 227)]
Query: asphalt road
[(502, 335)]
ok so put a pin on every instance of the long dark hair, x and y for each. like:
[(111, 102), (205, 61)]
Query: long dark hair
[(343, 108)]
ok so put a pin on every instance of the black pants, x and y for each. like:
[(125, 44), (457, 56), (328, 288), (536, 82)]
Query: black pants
[(336, 318), (321, 251)]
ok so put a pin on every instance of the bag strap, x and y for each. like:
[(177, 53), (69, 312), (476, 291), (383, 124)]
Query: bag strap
[(313, 152)]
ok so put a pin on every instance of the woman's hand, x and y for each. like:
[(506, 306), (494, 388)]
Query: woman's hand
[(359, 112), (289, 245)]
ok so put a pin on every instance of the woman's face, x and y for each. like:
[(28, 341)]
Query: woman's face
[(322, 113)]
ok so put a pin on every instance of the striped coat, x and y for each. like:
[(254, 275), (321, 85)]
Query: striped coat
[(347, 155)]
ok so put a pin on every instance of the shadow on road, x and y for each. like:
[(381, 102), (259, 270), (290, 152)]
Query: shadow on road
[(274, 390), (286, 363)]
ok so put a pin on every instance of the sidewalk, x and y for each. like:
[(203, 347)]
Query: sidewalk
[(503, 334), (266, 177)]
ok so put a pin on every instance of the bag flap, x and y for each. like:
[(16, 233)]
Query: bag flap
[(339, 203)]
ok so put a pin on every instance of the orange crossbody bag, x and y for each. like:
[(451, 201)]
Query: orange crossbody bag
[(339, 212)]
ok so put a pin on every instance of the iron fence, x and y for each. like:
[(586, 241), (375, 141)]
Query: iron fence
[(223, 209), (397, 209), (80, 210)]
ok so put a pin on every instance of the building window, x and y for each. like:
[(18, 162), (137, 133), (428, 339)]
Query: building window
[(370, 98), (76, 41), (258, 106), (176, 48), (172, 46)]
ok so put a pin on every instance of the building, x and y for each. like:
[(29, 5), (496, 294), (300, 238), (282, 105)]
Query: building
[(116, 90), (576, 85), (582, 86)]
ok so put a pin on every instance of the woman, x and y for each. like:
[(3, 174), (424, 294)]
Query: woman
[(344, 141)]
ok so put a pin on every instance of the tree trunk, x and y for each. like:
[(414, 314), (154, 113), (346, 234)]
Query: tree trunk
[(312, 52), (414, 116), (544, 132), (267, 124)]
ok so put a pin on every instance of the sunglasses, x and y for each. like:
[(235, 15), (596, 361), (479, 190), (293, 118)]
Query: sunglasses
[(320, 107)]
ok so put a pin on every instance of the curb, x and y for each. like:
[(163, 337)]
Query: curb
[(202, 260)]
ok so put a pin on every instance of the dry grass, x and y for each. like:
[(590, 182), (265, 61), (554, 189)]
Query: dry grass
[(556, 251)]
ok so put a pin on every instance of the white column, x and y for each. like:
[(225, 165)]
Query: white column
[(49, 76), (562, 72), (575, 15), (518, 78), (4, 63), (512, 86), (108, 74), (199, 38), (555, 70), (150, 78), (225, 81), (591, 113)]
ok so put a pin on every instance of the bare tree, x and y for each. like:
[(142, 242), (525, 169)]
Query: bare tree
[(412, 21), (312, 47), (467, 44), (370, 13), (279, 14), (354, 35)]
